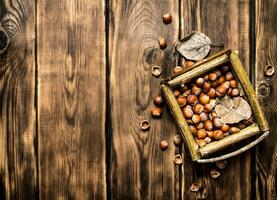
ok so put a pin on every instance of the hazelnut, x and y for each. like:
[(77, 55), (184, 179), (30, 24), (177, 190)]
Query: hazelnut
[(187, 112), (177, 139), (212, 102), (218, 73), (203, 117), (208, 125), (176, 93), (200, 82), (214, 174), (187, 92), (195, 118), (162, 43), (217, 123), (192, 99), (200, 125), (213, 114), (181, 100), (218, 135), (229, 91), (163, 144), (198, 108), (229, 76), (206, 77), (167, 18), (233, 84), (220, 91), (183, 87), (210, 134), (193, 129), (158, 101), (196, 90), (207, 140), (225, 69), (201, 134), (177, 69), (211, 93), (226, 84), (208, 107), (212, 76), (235, 92), (225, 128), (156, 112), (206, 86), (204, 99), (189, 121), (201, 142), (189, 63), (221, 80), (234, 130)]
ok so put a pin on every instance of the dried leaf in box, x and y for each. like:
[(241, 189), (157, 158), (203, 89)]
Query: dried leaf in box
[(196, 46), (232, 111)]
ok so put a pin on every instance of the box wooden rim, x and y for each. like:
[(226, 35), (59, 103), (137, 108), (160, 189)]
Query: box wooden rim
[(199, 68)]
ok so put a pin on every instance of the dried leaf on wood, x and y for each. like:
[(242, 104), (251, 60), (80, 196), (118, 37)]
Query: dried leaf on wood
[(232, 111), (196, 46)]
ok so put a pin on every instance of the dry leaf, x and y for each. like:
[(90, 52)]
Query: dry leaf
[(232, 111), (196, 46)]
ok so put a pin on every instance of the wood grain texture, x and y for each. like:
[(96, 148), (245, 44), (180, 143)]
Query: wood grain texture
[(139, 168), (71, 99), (17, 95), (227, 22), (266, 48)]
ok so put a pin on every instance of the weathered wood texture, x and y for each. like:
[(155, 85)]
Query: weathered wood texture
[(227, 22), (266, 61), (17, 96), (71, 99), (139, 169)]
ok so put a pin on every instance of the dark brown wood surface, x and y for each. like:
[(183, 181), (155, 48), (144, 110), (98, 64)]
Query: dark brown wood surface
[(266, 60), (71, 99), (76, 82)]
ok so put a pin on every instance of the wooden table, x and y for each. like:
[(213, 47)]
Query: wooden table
[(76, 82)]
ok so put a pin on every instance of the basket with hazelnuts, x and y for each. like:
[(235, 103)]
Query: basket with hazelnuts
[(215, 106)]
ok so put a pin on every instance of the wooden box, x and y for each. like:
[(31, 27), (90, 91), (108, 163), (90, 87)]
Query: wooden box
[(199, 68)]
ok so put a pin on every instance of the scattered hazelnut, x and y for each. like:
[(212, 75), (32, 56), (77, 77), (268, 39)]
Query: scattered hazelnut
[(194, 187), (163, 144), (189, 121), (145, 124), (212, 93), (187, 112), (206, 77), (203, 117), (176, 93), (221, 164), (162, 43), (204, 99), (189, 63), (217, 123), (220, 91), (181, 100), (183, 87), (156, 112), (225, 128), (208, 107), (233, 84), (226, 84), (193, 129), (208, 125), (187, 92), (229, 91), (218, 135), (229, 76), (225, 69), (201, 143), (207, 140), (221, 80), (200, 125), (214, 173), (156, 70), (213, 114), (177, 159), (177, 139), (234, 130), (235, 92), (198, 108), (210, 134), (212, 76), (218, 73), (195, 118), (167, 18), (158, 101), (177, 69), (206, 86), (192, 99), (201, 134), (200, 82), (196, 90), (214, 84)]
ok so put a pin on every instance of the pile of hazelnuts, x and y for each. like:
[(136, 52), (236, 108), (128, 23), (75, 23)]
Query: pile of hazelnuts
[(197, 100)]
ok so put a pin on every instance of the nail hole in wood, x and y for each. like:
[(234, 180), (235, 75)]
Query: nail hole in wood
[(4, 40), (269, 70)]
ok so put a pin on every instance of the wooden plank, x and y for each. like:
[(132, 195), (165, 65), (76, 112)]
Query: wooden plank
[(18, 169), (266, 60), (71, 91), (227, 22), (139, 169)]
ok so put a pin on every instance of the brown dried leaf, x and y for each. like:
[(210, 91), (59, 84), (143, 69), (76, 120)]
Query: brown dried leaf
[(232, 111), (196, 46)]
